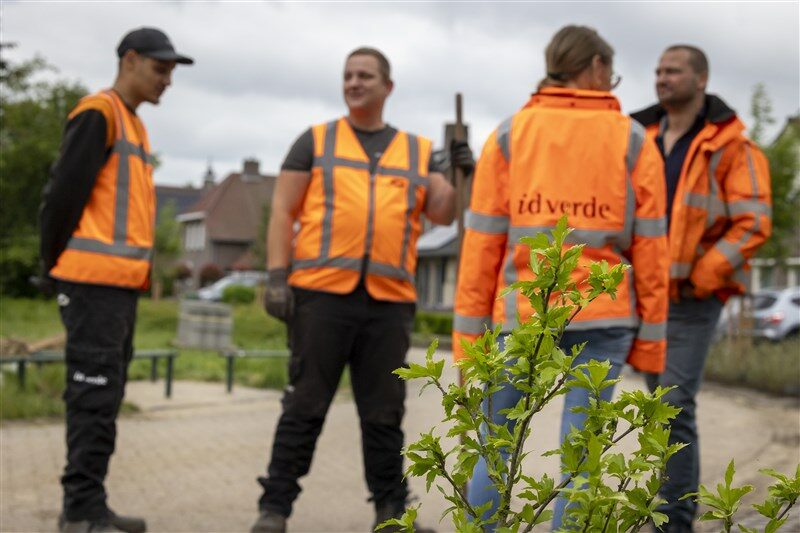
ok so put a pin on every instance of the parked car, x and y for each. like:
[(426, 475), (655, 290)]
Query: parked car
[(776, 313), (213, 293)]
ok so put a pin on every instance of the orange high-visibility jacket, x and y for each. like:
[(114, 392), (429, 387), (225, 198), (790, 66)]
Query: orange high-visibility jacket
[(722, 211), (349, 216), (568, 152), (113, 242)]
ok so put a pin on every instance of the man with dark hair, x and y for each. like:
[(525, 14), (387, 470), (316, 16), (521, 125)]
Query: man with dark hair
[(344, 282), (97, 224), (719, 214)]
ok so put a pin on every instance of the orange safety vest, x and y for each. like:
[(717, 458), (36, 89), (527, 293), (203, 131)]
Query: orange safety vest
[(113, 242), (350, 216), (568, 152), (722, 211)]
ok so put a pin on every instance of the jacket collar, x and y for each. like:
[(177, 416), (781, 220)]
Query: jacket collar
[(574, 98), (717, 112)]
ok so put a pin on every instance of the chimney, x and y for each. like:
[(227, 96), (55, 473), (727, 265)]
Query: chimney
[(251, 169)]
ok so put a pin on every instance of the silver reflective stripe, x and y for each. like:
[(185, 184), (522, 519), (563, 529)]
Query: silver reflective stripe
[(389, 271), (635, 142), (754, 186), (504, 138), (125, 148), (486, 223), (327, 188), (636, 137), (346, 263), (471, 324), (652, 331), (715, 207), (411, 198), (731, 250), (680, 270), (510, 276), (744, 207), (744, 277), (622, 322), (123, 185), (650, 227), (593, 238), (117, 249), (412, 176), (339, 162)]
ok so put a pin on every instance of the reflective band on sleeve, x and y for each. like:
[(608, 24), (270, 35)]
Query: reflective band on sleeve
[(346, 263), (635, 142), (486, 223), (731, 250), (743, 277), (504, 138), (751, 168), (121, 250), (680, 270), (652, 331), (743, 207), (650, 227), (471, 324)]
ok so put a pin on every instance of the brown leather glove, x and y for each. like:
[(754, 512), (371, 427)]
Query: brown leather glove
[(279, 301)]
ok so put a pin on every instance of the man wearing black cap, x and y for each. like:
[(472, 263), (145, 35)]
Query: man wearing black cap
[(97, 225)]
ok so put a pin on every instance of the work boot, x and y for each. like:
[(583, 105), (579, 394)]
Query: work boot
[(85, 526), (388, 510), (269, 522), (128, 524)]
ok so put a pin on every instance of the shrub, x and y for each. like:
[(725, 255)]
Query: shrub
[(19, 260), (182, 271), (607, 491), (209, 273), (433, 322), (238, 294)]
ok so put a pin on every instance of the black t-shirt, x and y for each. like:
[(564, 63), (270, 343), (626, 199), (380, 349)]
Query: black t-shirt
[(374, 143)]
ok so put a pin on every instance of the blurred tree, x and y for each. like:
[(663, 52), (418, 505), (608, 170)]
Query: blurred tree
[(32, 113), (784, 165), (167, 248)]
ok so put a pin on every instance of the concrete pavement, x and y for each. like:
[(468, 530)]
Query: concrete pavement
[(190, 463)]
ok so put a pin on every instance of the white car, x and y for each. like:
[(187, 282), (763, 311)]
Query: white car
[(776, 313), (213, 293)]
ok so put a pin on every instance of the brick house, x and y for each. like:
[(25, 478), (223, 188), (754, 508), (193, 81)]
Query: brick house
[(222, 226)]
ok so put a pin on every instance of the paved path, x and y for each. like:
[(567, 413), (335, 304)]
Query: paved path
[(190, 463)]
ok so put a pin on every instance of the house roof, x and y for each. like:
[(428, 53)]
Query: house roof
[(181, 197), (439, 241), (233, 209)]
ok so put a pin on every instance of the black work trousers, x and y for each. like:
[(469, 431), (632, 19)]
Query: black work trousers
[(327, 332), (99, 323)]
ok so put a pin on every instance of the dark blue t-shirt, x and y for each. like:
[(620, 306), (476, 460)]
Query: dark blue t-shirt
[(673, 162)]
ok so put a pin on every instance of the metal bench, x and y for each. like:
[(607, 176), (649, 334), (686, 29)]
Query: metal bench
[(232, 355), (52, 356)]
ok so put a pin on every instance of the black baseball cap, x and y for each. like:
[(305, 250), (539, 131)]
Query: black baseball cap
[(151, 42)]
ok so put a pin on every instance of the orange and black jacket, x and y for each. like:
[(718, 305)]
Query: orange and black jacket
[(357, 221), (568, 152), (98, 214), (722, 210)]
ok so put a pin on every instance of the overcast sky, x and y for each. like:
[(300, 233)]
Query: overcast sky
[(264, 72)]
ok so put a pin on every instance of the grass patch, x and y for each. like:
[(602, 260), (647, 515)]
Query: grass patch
[(768, 366), (41, 396)]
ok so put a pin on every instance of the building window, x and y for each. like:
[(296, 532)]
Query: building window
[(195, 236)]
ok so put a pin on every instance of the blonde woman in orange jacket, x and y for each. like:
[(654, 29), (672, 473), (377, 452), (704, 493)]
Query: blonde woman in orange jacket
[(570, 151)]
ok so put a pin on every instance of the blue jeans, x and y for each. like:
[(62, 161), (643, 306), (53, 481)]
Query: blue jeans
[(612, 344), (689, 332)]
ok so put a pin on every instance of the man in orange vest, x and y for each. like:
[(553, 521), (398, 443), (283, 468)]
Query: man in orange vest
[(719, 213), (355, 189), (97, 223)]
